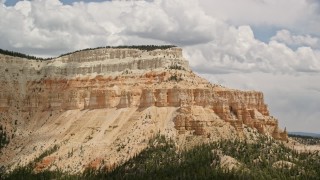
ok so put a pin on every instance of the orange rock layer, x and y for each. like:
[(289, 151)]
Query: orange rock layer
[(236, 107)]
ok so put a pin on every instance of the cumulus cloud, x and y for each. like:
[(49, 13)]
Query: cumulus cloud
[(239, 51), (288, 38), (49, 24), (178, 22), (49, 28), (299, 15)]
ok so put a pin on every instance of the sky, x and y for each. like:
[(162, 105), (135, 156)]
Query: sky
[(271, 46)]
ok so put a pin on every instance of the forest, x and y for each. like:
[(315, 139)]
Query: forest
[(21, 55), (140, 47), (162, 160)]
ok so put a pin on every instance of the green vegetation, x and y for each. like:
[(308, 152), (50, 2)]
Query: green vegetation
[(21, 55), (308, 140), (175, 78), (161, 160), (144, 47), (4, 138), (176, 66), (46, 153), (140, 47), (28, 173)]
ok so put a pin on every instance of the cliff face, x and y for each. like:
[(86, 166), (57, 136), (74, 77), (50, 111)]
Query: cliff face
[(103, 105)]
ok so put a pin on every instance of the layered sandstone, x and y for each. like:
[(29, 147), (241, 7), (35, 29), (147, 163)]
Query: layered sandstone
[(103, 105)]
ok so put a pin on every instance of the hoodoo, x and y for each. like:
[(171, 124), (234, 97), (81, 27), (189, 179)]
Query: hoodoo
[(99, 107)]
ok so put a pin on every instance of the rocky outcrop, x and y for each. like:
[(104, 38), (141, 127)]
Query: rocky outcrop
[(283, 165), (99, 61), (110, 101)]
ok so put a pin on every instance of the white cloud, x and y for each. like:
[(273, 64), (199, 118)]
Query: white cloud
[(178, 22), (288, 38), (48, 24), (299, 15), (239, 51), (49, 28)]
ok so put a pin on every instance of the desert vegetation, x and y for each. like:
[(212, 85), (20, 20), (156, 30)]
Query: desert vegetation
[(307, 140), (225, 159), (4, 138)]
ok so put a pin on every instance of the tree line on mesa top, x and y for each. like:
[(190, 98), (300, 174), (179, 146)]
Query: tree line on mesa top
[(21, 55), (140, 47)]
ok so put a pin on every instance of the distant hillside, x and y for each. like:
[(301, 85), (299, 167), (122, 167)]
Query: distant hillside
[(305, 134), (21, 55)]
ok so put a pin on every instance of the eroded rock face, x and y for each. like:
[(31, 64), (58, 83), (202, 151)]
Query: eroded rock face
[(105, 104)]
